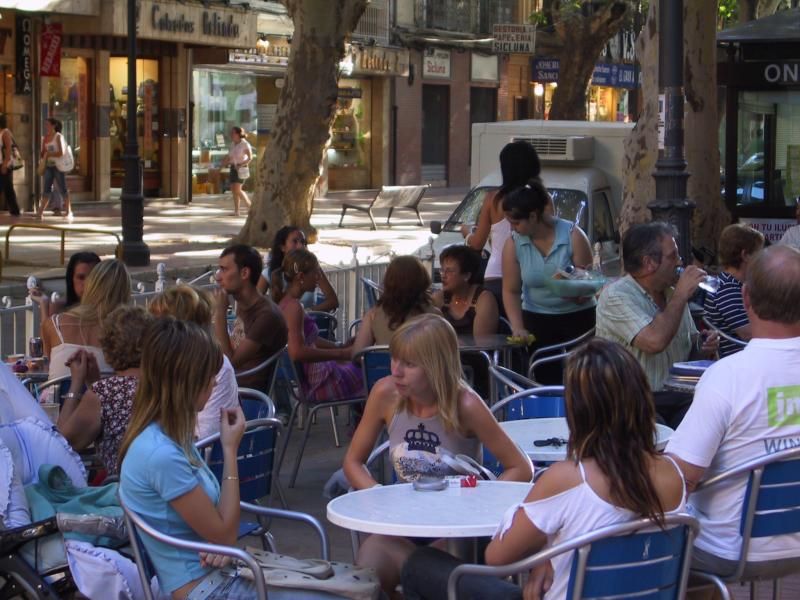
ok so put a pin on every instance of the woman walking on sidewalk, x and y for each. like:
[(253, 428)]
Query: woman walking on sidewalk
[(239, 157), (53, 146), (6, 170)]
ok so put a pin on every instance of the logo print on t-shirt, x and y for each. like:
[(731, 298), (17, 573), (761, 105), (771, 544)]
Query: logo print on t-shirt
[(783, 405), (419, 439)]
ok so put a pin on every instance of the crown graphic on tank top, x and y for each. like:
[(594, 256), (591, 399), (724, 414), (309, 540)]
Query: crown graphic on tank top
[(420, 439)]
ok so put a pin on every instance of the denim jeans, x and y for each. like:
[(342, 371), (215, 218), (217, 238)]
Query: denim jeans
[(427, 570)]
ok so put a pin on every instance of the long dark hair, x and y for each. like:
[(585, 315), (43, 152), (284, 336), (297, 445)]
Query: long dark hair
[(89, 258), (530, 198), (276, 253), (406, 289), (611, 418)]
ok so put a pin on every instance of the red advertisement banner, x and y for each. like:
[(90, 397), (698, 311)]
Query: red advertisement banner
[(51, 51)]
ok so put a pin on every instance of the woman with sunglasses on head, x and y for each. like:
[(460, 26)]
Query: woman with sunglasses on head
[(287, 239), (424, 398), (612, 474)]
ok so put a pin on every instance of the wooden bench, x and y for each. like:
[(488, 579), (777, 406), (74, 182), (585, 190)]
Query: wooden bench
[(391, 197)]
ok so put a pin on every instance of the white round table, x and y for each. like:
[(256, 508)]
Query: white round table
[(451, 513), (525, 431)]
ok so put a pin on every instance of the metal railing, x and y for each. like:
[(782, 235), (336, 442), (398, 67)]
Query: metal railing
[(21, 322), (465, 16), (375, 24), (63, 231)]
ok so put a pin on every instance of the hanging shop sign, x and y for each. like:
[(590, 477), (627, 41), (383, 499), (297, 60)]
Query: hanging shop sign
[(24, 50), (268, 51), (513, 39), (774, 73), (205, 23), (484, 68), (50, 50), (378, 61), (436, 64), (545, 70), (349, 93)]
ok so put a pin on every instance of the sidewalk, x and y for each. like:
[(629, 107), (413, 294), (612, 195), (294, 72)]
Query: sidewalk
[(189, 238)]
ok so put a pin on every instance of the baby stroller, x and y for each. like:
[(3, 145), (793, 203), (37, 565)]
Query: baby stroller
[(55, 556)]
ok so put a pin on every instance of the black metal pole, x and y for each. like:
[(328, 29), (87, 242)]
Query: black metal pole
[(671, 204), (134, 251)]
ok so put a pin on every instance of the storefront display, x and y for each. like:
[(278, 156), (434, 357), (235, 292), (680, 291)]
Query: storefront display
[(66, 98), (350, 149), (147, 120)]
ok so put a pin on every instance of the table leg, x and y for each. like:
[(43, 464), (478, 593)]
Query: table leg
[(465, 549)]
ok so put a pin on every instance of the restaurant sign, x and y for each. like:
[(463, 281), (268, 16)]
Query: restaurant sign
[(514, 39), (379, 61)]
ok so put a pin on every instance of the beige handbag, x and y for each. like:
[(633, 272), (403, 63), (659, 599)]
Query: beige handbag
[(343, 579)]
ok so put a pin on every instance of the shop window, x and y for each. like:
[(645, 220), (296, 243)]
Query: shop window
[(350, 150), (223, 100), (147, 120), (768, 152), (68, 99)]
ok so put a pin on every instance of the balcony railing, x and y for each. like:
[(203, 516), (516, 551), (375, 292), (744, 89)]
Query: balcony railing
[(374, 25), (465, 16)]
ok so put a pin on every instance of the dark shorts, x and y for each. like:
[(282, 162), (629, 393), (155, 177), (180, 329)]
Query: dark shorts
[(234, 176)]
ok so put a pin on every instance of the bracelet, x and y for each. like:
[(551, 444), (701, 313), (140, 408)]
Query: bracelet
[(231, 477), (71, 396)]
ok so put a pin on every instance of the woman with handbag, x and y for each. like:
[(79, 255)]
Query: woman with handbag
[(54, 150), (8, 166), (239, 157)]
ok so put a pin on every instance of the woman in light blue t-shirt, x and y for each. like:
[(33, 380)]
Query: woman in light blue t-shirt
[(542, 244), (163, 478)]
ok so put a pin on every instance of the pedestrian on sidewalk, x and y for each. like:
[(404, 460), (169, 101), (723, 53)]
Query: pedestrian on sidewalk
[(7, 169), (239, 157), (53, 146)]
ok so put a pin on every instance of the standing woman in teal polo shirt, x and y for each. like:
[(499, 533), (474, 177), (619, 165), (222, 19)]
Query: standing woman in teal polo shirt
[(540, 245)]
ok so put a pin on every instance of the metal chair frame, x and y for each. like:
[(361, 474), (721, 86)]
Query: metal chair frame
[(582, 545), (372, 292), (332, 323), (376, 454), (722, 334), (510, 379), (555, 352), (136, 523), (756, 469), (272, 360)]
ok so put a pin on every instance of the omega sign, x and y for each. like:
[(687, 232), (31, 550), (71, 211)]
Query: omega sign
[(212, 23), (782, 73)]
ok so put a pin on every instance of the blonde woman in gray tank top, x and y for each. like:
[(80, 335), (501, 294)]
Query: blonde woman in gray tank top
[(427, 408)]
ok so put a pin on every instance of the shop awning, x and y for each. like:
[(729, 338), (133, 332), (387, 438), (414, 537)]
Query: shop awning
[(65, 7), (783, 26)]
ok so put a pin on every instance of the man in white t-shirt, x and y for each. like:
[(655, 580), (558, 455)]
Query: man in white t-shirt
[(745, 406)]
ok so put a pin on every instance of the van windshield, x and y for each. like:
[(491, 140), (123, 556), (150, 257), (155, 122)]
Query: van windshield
[(570, 205)]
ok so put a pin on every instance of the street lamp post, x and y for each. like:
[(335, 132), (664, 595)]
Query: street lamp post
[(134, 251), (671, 204)]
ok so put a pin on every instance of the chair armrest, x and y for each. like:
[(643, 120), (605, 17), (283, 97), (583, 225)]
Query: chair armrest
[(510, 378), (291, 515)]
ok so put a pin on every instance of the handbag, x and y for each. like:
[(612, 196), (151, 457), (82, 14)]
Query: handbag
[(243, 172), (41, 167), (66, 162)]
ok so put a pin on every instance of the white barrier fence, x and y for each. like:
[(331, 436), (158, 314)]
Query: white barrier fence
[(19, 323)]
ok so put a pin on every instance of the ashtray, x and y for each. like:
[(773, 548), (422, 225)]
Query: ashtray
[(429, 483)]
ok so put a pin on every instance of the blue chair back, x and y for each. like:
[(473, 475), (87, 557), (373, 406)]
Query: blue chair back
[(639, 565), (255, 458), (774, 494), (255, 404), (375, 365), (535, 403), (634, 559), (370, 292)]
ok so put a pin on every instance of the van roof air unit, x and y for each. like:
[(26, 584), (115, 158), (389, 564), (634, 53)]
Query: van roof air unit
[(570, 148)]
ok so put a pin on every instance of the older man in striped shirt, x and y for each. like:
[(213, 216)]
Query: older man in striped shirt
[(646, 314)]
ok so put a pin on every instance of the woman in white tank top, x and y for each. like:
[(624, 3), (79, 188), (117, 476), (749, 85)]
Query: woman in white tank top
[(107, 286), (518, 163), (613, 474)]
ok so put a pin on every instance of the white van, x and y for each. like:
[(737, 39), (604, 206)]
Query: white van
[(581, 168)]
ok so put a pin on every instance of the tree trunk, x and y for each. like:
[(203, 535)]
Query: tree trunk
[(641, 146), (702, 124), (288, 171), (582, 40)]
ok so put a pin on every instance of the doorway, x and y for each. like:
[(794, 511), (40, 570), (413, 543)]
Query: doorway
[(435, 130)]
